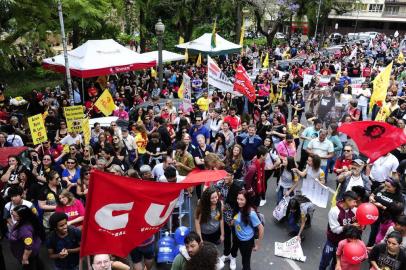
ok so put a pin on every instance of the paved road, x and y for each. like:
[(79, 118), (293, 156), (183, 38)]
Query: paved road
[(264, 259)]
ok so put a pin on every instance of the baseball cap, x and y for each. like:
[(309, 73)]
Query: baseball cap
[(145, 168), (358, 162)]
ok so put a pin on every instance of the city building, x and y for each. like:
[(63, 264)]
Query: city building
[(370, 15)]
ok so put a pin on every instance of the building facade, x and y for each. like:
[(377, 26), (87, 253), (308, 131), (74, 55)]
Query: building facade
[(370, 15)]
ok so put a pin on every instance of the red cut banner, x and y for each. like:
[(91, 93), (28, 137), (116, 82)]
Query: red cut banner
[(243, 84), (374, 139), (123, 212)]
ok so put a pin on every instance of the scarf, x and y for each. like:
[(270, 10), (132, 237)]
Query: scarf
[(260, 176)]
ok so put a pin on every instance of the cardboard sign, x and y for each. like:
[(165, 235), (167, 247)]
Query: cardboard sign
[(37, 128), (290, 249), (74, 118)]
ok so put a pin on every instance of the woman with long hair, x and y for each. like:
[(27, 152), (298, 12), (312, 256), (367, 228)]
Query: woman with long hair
[(101, 143), (288, 180), (11, 172), (235, 160), (228, 134), (263, 125), (300, 211), (141, 140), (219, 145), (71, 174), (61, 132), (82, 187), (72, 207), (388, 254), (272, 162), (245, 223), (88, 158), (209, 218), (26, 237), (313, 170)]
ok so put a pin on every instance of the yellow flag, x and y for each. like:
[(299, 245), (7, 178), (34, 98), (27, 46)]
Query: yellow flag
[(381, 84), (265, 64), (271, 94), (338, 75), (334, 199), (199, 60), (86, 131), (401, 58), (242, 34), (105, 103), (280, 93), (180, 91), (186, 56), (181, 40), (153, 73)]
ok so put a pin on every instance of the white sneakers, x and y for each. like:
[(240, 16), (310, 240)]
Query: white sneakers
[(262, 202), (233, 263), (225, 258)]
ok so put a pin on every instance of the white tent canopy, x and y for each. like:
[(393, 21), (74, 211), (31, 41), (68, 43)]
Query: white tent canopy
[(167, 56), (99, 57), (203, 45)]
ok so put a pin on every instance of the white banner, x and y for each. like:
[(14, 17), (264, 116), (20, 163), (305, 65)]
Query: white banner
[(187, 93), (290, 249), (307, 78), (218, 79), (316, 192)]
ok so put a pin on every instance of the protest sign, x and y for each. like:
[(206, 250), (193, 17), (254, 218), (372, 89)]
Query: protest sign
[(316, 192), (86, 131), (74, 117), (290, 249), (105, 103), (37, 128), (187, 93)]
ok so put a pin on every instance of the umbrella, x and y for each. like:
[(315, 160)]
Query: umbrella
[(374, 139)]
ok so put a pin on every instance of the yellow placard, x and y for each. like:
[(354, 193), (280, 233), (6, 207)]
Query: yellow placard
[(74, 117), (105, 103), (37, 128), (86, 131)]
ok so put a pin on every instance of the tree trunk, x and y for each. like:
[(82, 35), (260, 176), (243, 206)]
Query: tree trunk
[(271, 34), (75, 36), (142, 30), (238, 24)]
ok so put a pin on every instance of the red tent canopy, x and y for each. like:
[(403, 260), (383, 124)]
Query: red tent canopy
[(99, 57)]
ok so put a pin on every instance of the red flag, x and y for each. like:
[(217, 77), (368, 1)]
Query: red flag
[(123, 212), (374, 139), (243, 84)]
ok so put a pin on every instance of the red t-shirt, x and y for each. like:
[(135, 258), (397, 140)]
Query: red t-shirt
[(72, 211), (234, 121)]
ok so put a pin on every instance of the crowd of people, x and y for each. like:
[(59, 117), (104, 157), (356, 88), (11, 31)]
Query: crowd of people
[(289, 134)]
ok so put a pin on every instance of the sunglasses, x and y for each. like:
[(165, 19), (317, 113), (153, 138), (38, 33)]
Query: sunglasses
[(69, 162), (115, 139), (46, 159), (347, 150)]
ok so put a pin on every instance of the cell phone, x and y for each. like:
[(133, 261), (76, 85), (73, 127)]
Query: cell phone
[(35, 158)]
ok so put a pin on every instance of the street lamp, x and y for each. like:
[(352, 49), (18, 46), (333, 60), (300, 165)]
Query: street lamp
[(159, 30)]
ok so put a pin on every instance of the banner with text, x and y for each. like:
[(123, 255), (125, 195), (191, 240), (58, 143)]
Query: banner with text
[(37, 128)]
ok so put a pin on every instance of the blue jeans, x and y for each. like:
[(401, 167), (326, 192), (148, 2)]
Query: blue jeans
[(325, 170), (281, 192), (328, 255), (331, 162), (293, 226)]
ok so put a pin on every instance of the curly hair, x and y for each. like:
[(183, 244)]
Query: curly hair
[(205, 258), (204, 206)]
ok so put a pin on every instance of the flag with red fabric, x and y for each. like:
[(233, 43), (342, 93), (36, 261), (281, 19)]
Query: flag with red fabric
[(243, 84), (374, 139), (123, 212)]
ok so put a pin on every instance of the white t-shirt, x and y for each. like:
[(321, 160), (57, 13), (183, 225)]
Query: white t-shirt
[(10, 206), (355, 181), (321, 149), (383, 167), (69, 140), (15, 140)]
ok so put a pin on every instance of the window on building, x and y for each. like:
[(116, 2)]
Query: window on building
[(392, 10), (361, 7), (375, 7)]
